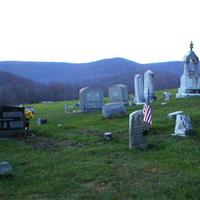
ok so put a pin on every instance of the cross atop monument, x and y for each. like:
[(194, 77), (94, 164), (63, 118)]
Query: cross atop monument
[(191, 45)]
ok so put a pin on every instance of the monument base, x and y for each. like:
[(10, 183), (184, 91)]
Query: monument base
[(186, 93)]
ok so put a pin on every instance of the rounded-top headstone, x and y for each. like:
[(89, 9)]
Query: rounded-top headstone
[(5, 169), (91, 99)]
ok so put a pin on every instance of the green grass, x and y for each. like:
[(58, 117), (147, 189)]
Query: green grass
[(93, 168)]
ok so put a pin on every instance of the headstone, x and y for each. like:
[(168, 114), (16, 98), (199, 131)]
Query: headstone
[(41, 121), (183, 125), (108, 136), (174, 114), (149, 85), (12, 121), (113, 110), (5, 169), (91, 99), (167, 96), (190, 79), (118, 93), (139, 89), (137, 130)]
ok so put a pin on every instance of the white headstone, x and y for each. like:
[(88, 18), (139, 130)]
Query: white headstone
[(183, 125), (190, 79), (118, 93), (91, 99), (139, 89), (137, 129), (174, 114), (149, 85)]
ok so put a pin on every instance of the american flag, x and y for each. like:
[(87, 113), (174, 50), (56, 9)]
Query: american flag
[(147, 111)]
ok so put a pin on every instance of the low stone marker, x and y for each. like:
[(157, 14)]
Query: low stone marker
[(41, 121), (167, 96), (108, 136), (183, 125), (174, 114), (113, 110), (5, 169), (137, 131)]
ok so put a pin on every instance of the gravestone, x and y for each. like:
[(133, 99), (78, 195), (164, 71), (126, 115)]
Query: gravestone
[(137, 130), (5, 169), (139, 89), (190, 79), (113, 110), (149, 85), (183, 125), (174, 114), (167, 96), (118, 93), (91, 99), (41, 121), (12, 121)]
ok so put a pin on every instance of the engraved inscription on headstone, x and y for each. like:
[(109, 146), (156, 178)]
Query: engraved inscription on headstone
[(137, 127), (16, 124), (12, 114), (12, 121), (91, 99)]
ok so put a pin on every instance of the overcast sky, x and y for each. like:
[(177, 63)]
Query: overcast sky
[(87, 30)]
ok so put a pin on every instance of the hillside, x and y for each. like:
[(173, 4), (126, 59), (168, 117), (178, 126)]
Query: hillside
[(46, 72), (61, 81), (70, 159), (17, 90)]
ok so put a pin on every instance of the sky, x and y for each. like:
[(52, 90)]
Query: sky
[(78, 31)]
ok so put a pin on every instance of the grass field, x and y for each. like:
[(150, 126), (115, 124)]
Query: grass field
[(70, 159)]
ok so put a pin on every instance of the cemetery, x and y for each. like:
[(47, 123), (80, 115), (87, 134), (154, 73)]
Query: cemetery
[(100, 147), (79, 155)]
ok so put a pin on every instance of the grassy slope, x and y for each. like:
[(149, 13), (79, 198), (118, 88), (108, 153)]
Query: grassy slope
[(96, 169)]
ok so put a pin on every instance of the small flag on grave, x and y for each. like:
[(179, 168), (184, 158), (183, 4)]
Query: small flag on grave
[(147, 111)]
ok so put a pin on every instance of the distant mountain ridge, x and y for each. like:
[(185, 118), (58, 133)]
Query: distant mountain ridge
[(29, 82), (72, 73)]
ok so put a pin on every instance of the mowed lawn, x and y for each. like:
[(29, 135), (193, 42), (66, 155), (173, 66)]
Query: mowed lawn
[(70, 159)]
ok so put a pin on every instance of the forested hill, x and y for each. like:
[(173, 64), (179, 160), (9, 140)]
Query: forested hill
[(47, 72), (30, 82)]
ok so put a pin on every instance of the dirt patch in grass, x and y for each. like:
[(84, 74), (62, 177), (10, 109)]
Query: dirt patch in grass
[(46, 143)]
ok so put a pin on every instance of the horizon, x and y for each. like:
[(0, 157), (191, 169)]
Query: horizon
[(91, 30), (90, 61)]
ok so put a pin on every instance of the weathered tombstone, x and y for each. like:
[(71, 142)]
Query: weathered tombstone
[(167, 96), (174, 114), (12, 121), (149, 85), (137, 130), (41, 121), (183, 125), (5, 169), (113, 110), (139, 89), (190, 79), (91, 99), (118, 93)]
